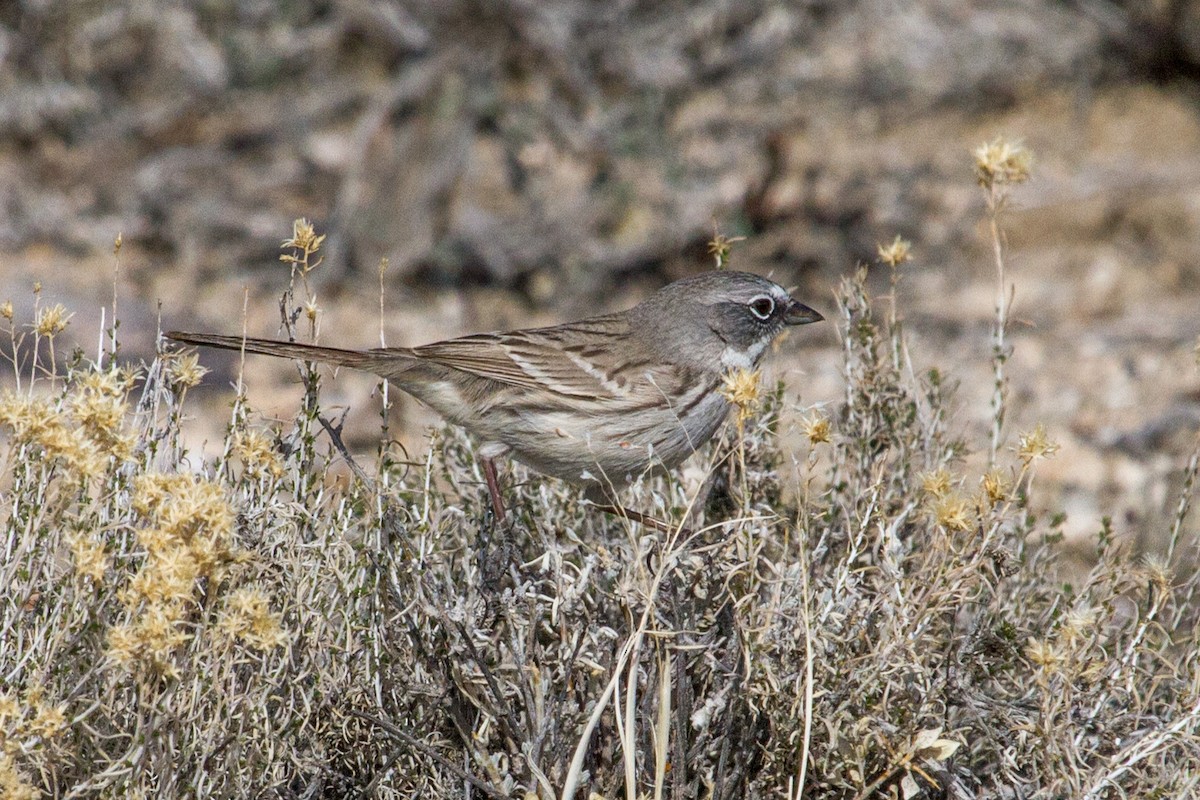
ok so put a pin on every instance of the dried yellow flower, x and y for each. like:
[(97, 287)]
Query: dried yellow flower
[(896, 253), (6, 309), (1078, 625), (937, 483), (258, 454), (41, 423), (107, 383), (168, 578), (10, 709), (13, 784), (996, 486), (1157, 570), (953, 513), (184, 370), (51, 320), (1000, 162), (188, 535), (247, 616), (99, 406), (151, 639), (742, 388), (720, 246), (90, 558), (1044, 654), (48, 721), (1035, 444), (817, 428), (304, 239), (26, 417)]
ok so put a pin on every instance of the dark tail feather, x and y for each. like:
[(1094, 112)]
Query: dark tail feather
[(358, 359)]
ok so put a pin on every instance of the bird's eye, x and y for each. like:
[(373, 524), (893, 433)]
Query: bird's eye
[(762, 307)]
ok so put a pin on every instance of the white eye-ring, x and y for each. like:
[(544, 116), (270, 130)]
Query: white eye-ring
[(762, 307)]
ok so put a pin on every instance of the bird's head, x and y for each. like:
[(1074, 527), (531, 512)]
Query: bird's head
[(723, 316)]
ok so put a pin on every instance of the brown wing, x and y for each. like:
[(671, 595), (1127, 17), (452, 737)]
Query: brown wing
[(575, 360)]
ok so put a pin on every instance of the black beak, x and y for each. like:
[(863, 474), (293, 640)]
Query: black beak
[(799, 314)]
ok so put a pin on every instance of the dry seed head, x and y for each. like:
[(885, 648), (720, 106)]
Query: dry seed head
[(1078, 624), (184, 370), (6, 311), (247, 617), (953, 513), (312, 310), (996, 486), (151, 489), (258, 454), (51, 320), (720, 246), (1157, 570), (1044, 654), (304, 237), (39, 422), (1035, 445), (189, 535), (160, 635), (167, 579), (937, 483), (1000, 162), (896, 253), (48, 721), (817, 428), (742, 388), (26, 417), (183, 504), (13, 784), (99, 406), (10, 709), (89, 556), (122, 645), (156, 541), (108, 383)]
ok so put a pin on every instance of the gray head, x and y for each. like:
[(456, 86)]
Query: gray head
[(727, 318)]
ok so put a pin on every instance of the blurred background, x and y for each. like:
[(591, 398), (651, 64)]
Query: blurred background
[(523, 162)]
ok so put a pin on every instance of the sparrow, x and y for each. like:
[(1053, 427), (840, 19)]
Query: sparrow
[(595, 402)]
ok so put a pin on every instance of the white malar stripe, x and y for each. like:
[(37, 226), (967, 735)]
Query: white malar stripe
[(733, 358)]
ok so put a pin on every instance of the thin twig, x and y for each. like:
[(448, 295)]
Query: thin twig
[(430, 753)]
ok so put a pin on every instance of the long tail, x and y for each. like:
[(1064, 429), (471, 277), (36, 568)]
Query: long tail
[(368, 360)]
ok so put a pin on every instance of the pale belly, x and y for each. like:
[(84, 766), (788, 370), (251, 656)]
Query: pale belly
[(602, 448), (614, 450)]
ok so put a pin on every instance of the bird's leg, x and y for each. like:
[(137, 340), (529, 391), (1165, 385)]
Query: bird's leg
[(637, 516), (493, 484)]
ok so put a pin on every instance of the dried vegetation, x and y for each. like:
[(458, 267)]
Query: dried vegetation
[(858, 618)]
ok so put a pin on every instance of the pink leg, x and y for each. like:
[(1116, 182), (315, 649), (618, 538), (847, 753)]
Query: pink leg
[(493, 484)]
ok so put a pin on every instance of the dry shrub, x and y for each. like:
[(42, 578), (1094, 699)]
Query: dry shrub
[(862, 618)]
